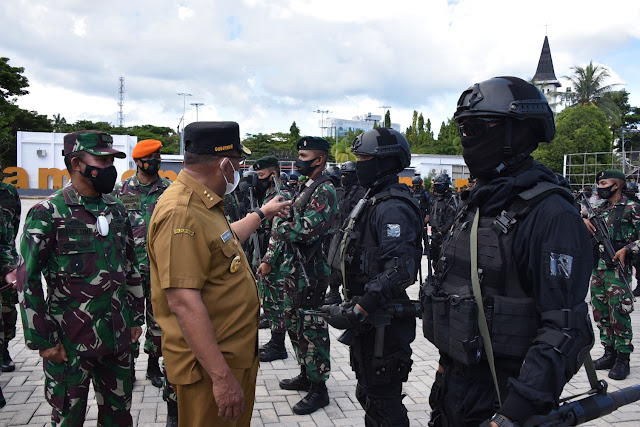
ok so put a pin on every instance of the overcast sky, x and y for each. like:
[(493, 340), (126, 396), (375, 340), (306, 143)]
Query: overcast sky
[(265, 63)]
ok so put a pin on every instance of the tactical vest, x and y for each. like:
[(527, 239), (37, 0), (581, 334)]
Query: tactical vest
[(450, 313), (362, 253)]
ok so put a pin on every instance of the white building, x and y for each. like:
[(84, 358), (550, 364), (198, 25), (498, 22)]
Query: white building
[(331, 125), (429, 165)]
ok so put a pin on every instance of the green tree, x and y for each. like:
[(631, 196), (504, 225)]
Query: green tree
[(387, 119), (294, 134), (589, 85), (579, 129)]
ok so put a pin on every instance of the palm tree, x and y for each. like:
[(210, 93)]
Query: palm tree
[(343, 151), (590, 88)]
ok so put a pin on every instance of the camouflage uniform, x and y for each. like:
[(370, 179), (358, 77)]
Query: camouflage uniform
[(93, 298), (308, 332), (611, 300), (9, 224), (272, 287), (140, 200)]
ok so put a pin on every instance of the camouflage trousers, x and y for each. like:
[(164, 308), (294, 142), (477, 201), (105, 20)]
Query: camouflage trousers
[(271, 290), (9, 313), (308, 332), (168, 395), (612, 306), (153, 334), (66, 387)]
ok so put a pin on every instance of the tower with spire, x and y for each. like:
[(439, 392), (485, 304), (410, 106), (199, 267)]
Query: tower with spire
[(545, 77)]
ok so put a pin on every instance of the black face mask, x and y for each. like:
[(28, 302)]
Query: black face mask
[(440, 188), (304, 166), (262, 185), (606, 192), (367, 172), (102, 179), (150, 166), (483, 154), (349, 179)]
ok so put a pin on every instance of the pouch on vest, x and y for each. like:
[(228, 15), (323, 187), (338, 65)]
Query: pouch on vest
[(513, 323)]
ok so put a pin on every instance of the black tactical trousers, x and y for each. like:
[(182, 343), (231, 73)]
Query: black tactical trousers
[(465, 395), (379, 388)]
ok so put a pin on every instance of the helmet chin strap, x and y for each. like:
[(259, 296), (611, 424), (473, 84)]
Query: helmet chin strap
[(507, 151)]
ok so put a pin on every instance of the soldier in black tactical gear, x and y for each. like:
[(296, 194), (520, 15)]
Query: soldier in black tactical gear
[(443, 212), (507, 308), (352, 193), (379, 251)]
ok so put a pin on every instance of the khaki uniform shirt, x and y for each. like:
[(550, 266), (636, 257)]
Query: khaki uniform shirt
[(191, 245)]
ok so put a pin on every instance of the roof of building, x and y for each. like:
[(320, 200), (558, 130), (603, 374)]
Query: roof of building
[(545, 72)]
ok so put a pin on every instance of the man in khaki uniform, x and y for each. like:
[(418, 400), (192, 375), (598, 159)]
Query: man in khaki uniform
[(204, 295)]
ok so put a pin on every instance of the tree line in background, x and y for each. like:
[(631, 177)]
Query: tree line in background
[(592, 122)]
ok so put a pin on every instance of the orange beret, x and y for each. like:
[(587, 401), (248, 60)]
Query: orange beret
[(146, 147)]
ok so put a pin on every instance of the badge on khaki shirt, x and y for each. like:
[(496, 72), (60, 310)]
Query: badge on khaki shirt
[(235, 264)]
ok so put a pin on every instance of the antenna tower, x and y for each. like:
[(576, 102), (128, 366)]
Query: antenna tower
[(120, 101)]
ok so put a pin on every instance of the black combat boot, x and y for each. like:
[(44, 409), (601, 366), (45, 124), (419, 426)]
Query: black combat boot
[(7, 362), (153, 372), (274, 349), (300, 383), (607, 360), (621, 368), (172, 414), (318, 397), (133, 370), (263, 322)]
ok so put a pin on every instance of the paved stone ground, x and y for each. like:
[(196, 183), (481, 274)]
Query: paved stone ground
[(23, 388)]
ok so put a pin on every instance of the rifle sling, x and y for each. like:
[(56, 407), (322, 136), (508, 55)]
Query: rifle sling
[(477, 294)]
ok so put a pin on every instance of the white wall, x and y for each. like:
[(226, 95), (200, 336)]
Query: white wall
[(50, 146), (453, 166)]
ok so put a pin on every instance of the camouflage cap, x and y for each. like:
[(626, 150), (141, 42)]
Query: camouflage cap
[(265, 162), (91, 141), (313, 143), (610, 173)]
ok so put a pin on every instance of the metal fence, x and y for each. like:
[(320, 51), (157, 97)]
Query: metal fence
[(581, 168)]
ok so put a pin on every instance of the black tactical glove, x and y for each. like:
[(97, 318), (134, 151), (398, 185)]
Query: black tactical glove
[(342, 318)]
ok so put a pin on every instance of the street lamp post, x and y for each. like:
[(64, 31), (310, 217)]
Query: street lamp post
[(322, 112), (197, 104), (184, 109)]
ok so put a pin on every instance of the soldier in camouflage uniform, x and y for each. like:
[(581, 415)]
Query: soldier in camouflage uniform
[(139, 194), (270, 279), (9, 224), (81, 240), (611, 299), (313, 211)]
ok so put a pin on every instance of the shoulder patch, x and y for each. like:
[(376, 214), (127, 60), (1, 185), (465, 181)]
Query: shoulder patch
[(393, 230), (183, 231)]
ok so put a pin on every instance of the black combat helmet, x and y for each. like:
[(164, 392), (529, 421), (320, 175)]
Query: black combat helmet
[(249, 180), (508, 97), (284, 177), (383, 143), (348, 167), (416, 180), (441, 183), (631, 188)]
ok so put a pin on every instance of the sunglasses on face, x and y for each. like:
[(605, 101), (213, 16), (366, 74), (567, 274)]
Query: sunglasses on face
[(477, 126)]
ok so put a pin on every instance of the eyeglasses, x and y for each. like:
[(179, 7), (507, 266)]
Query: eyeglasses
[(241, 158), (478, 126)]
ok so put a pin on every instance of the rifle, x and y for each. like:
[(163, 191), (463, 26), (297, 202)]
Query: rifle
[(602, 237), (254, 235), (587, 409)]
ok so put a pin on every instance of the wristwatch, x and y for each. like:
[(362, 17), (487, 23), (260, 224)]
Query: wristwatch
[(502, 421), (260, 214)]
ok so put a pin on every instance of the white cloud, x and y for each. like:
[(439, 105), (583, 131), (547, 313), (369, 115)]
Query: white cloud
[(266, 64)]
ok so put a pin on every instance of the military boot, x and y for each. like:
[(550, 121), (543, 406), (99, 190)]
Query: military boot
[(621, 368), (332, 297), (7, 362), (274, 349), (318, 397), (607, 360), (153, 372), (172, 414), (133, 370), (300, 383)]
